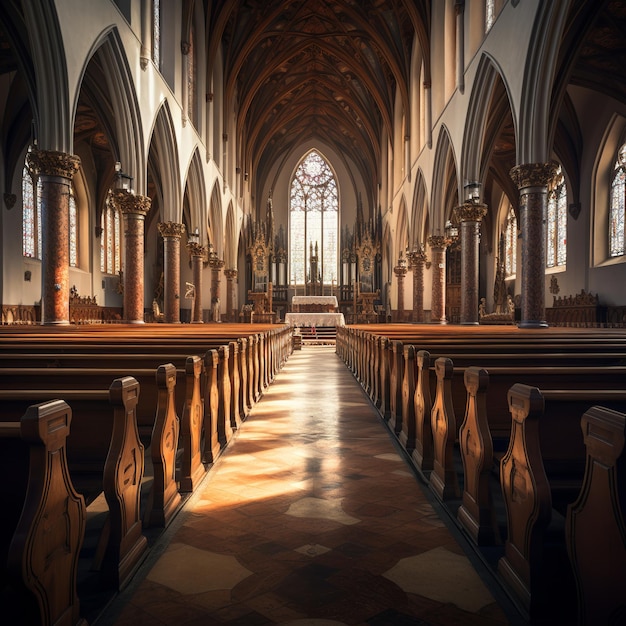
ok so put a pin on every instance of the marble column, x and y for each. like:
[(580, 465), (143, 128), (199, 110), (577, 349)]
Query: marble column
[(418, 260), (216, 265), (438, 245), (400, 272), (55, 171), (171, 233), (198, 254), (231, 307), (532, 180), (470, 215), (134, 208)]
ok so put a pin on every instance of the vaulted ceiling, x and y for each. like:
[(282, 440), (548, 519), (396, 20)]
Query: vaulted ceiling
[(326, 70)]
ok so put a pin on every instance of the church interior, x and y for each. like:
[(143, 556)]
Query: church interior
[(313, 312)]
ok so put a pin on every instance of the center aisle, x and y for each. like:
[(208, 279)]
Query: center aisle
[(311, 516)]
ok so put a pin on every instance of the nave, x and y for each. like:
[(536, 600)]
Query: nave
[(311, 516)]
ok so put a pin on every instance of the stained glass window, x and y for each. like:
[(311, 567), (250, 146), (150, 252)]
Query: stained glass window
[(73, 230), (111, 241), (314, 219), (510, 245), (490, 14), (31, 217), (156, 32), (556, 223), (618, 206)]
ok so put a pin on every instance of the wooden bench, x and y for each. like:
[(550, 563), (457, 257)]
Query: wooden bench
[(105, 455), (43, 519), (595, 523), (541, 474)]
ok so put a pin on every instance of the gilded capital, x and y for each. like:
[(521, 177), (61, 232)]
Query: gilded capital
[(438, 241), (470, 212), (195, 249), (216, 263), (171, 229), (51, 163), (230, 273), (534, 174), (129, 203)]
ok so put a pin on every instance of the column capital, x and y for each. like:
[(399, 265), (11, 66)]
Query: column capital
[(195, 249), (230, 273), (129, 203), (216, 263), (400, 271), (534, 174), (171, 229), (439, 241), (52, 163), (470, 212)]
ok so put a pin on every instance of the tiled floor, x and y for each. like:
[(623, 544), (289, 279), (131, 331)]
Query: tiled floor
[(311, 517)]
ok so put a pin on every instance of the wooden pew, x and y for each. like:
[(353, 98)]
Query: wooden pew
[(595, 522), (104, 454), (443, 478), (540, 475), (192, 469), (43, 520), (164, 498)]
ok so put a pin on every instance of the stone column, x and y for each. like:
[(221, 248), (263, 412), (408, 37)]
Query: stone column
[(418, 260), (55, 171), (400, 272), (171, 233), (470, 215), (134, 208), (198, 254), (216, 265), (532, 180), (231, 307), (438, 245)]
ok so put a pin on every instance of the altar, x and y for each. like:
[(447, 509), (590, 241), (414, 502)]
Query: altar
[(317, 320), (314, 311), (314, 304)]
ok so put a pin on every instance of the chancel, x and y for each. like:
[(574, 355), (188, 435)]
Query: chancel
[(312, 311)]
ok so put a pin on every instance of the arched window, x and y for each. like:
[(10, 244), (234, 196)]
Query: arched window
[(156, 32), (73, 234), (111, 240), (490, 14), (510, 245), (617, 207), (556, 223), (31, 217), (314, 217)]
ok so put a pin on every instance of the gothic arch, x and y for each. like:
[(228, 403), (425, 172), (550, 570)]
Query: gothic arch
[(445, 182), (230, 238), (215, 226), (196, 194), (419, 215), (164, 154)]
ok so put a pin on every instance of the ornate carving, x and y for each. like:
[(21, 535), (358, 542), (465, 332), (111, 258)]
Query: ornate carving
[(470, 212), (171, 229), (534, 174), (129, 203), (195, 249), (52, 163), (439, 241), (231, 273)]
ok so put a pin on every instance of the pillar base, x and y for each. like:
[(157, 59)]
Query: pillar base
[(533, 324), (135, 322), (56, 323), (469, 323)]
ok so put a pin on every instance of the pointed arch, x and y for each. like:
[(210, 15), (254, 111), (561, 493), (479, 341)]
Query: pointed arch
[(419, 213), (445, 194), (195, 191), (231, 237), (215, 226), (313, 218), (164, 155)]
